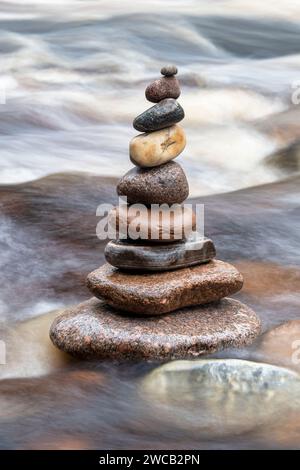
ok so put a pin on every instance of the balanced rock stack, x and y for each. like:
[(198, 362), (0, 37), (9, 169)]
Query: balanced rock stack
[(162, 292)]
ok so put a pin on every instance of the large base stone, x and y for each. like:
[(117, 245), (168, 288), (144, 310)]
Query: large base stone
[(93, 329)]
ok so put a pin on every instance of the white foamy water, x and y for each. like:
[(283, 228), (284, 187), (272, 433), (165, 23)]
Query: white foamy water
[(74, 74)]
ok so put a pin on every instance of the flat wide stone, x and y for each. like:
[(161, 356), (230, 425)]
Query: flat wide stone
[(162, 292), (92, 329), (162, 257)]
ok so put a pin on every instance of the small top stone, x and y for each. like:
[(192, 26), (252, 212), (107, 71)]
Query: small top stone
[(169, 70)]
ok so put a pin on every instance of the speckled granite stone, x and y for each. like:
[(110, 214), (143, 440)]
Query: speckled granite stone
[(164, 87), (159, 257), (92, 329), (158, 185), (162, 292)]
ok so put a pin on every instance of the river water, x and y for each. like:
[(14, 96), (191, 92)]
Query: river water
[(74, 72), (73, 75)]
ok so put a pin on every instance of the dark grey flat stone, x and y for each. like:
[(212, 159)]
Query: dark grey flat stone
[(92, 329), (162, 257), (163, 114)]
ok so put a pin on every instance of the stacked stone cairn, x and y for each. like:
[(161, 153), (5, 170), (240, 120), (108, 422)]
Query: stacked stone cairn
[(169, 273)]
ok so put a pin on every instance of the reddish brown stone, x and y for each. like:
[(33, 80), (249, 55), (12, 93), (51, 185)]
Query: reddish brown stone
[(165, 87), (162, 292), (187, 333), (158, 185)]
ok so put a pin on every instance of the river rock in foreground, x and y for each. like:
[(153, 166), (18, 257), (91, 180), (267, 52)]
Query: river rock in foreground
[(93, 329), (221, 396)]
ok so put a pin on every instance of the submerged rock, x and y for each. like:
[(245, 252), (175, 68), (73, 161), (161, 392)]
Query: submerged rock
[(162, 292), (281, 345), (93, 329), (286, 160), (29, 351), (220, 396)]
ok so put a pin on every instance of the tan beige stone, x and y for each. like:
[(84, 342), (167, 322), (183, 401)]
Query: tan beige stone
[(156, 148)]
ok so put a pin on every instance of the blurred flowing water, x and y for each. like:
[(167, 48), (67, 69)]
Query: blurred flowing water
[(73, 74)]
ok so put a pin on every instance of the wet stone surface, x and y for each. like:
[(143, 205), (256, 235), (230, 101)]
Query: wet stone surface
[(92, 329), (162, 292), (164, 184)]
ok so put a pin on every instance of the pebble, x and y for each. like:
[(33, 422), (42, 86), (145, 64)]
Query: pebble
[(163, 114), (156, 148), (94, 330), (162, 292), (164, 87), (163, 257), (156, 224), (158, 185), (169, 70), (219, 397)]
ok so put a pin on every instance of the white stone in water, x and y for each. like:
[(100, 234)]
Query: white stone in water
[(218, 397)]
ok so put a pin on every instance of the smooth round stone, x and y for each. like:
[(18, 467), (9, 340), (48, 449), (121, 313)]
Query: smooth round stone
[(158, 147), (165, 87), (169, 70), (217, 397), (164, 257), (163, 292), (163, 114), (153, 224), (92, 329), (163, 184)]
